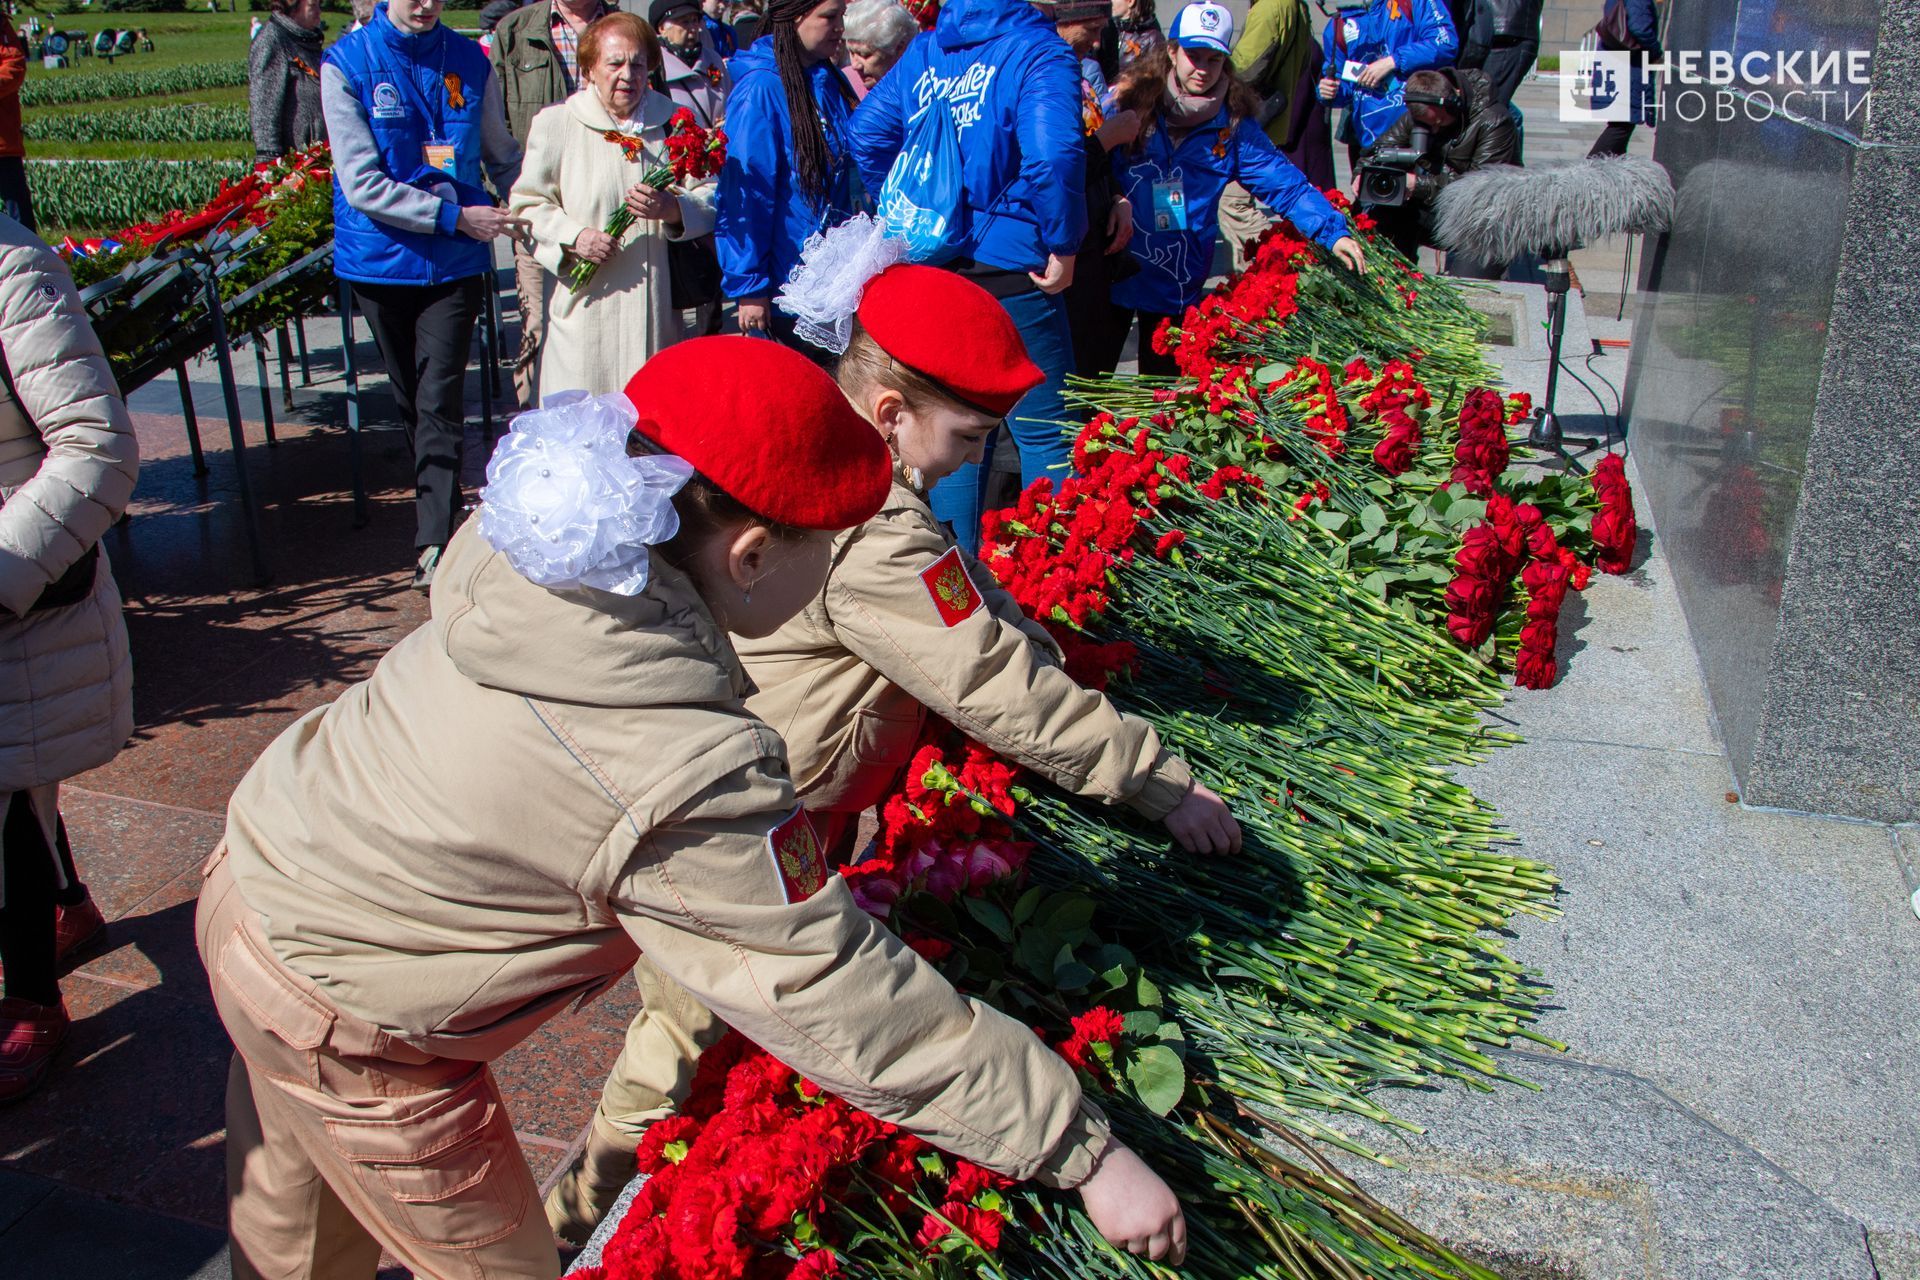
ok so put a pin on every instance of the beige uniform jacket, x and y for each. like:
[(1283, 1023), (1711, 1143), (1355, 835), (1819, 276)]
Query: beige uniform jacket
[(895, 633), (536, 786)]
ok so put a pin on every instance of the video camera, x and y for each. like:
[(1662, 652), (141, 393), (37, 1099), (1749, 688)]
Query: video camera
[(1383, 178)]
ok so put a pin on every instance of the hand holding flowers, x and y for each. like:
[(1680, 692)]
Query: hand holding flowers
[(693, 153)]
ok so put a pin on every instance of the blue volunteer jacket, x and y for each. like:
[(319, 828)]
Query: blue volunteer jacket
[(764, 217), (1013, 88), (402, 83), (1418, 34), (1174, 263)]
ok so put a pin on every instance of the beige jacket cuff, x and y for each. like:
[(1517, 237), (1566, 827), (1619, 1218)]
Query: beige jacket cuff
[(1169, 782), (1084, 1141)]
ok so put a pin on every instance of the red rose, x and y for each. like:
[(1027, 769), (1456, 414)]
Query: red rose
[(1471, 632), (1472, 597), (1533, 670), (1540, 635), (1480, 554)]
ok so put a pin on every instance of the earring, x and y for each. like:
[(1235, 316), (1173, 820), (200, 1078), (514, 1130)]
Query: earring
[(746, 593)]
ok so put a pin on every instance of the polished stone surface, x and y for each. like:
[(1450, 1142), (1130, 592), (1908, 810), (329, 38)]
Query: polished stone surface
[(1767, 411), (1741, 1090)]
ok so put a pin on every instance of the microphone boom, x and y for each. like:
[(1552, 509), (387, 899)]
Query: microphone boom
[(1497, 213)]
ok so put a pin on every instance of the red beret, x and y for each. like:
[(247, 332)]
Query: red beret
[(950, 329), (768, 427)]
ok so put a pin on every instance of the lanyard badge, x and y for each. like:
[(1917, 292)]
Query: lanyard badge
[(1170, 204)]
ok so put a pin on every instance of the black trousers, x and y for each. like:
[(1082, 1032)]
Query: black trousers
[(425, 336), (1613, 140), (32, 888), (1507, 65), (16, 200), (1151, 362)]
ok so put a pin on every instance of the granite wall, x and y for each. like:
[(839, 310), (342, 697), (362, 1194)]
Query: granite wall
[(1775, 371)]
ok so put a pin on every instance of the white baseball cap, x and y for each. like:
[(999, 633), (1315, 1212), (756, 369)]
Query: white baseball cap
[(1203, 26)]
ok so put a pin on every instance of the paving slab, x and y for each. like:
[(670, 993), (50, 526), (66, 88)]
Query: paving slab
[(70, 1233), (1758, 966), (1602, 1175)]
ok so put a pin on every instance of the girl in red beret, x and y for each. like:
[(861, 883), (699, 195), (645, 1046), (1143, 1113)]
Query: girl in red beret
[(554, 775), (906, 623)]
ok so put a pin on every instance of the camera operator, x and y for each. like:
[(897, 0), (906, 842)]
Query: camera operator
[(1454, 124)]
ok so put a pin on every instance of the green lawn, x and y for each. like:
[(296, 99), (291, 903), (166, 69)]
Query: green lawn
[(177, 38)]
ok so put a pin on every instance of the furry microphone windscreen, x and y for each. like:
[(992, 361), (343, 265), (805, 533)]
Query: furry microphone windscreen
[(1497, 213)]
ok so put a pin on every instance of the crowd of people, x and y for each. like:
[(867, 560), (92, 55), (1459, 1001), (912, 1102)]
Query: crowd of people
[(1102, 159), (578, 765)]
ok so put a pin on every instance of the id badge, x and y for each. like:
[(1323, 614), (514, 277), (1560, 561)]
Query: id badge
[(1170, 205), (439, 155), (1351, 72)]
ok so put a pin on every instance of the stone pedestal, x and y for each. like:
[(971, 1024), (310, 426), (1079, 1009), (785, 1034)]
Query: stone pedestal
[(1772, 394)]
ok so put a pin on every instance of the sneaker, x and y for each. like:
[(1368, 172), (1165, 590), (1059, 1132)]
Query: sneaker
[(30, 1034), (77, 932), (423, 571)]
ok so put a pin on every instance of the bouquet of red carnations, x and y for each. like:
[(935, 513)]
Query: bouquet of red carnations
[(693, 153)]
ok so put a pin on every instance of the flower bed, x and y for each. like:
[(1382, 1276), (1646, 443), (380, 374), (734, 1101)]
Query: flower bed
[(92, 195), (109, 86), (170, 122), (142, 284)]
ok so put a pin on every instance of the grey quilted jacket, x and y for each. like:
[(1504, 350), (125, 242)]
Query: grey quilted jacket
[(67, 463)]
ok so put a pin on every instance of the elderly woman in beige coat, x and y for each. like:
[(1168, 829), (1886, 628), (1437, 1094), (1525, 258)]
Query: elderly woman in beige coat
[(582, 163), (67, 463)]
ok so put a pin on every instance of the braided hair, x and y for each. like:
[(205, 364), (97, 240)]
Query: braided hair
[(812, 158)]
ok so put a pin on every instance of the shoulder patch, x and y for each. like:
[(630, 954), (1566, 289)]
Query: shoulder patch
[(952, 590), (798, 858)]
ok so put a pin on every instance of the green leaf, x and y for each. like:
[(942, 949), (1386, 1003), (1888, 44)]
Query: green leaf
[(1072, 976), (1372, 518), (1142, 1022), (1159, 1077), (1332, 521), (1029, 903), (1070, 913), (993, 916), (1145, 994)]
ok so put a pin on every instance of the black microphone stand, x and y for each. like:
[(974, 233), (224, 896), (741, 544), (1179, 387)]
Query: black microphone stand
[(1557, 280)]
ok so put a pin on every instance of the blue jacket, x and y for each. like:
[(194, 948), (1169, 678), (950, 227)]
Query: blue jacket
[(764, 217), (1417, 34), (1013, 88), (1174, 263), (401, 83)]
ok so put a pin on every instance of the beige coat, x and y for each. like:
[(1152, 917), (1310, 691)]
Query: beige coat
[(849, 681), (536, 786), (572, 180), (67, 463)]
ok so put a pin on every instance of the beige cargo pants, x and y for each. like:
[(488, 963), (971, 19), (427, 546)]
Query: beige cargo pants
[(341, 1140), (530, 282), (1241, 223), (648, 1081)]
